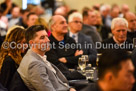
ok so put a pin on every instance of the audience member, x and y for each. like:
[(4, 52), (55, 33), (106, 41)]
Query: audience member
[(3, 26), (11, 55), (105, 11), (131, 18), (31, 18), (37, 73), (103, 30), (7, 6), (89, 20), (75, 24), (124, 10), (119, 40), (23, 20), (115, 72), (15, 16), (61, 53), (114, 13)]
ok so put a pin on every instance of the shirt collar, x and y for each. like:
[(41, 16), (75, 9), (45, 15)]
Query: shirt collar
[(70, 34), (117, 42)]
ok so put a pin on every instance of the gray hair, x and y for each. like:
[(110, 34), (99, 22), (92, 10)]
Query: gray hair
[(119, 21), (73, 15)]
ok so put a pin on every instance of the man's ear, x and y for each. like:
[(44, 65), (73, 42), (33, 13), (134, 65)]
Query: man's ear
[(31, 42), (109, 76)]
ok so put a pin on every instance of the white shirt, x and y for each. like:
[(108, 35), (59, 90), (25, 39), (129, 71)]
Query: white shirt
[(75, 36), (48, 63)]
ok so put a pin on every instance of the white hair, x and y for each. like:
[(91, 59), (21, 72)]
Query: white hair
[(104, 7), (73, 15), (119, 22)]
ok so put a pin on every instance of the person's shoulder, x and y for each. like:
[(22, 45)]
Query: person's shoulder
[(91, 87), (129, 40), (84, 36), (109, 40), (8, 59)]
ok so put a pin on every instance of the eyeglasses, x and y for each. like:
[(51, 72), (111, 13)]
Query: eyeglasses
[(77, 22)]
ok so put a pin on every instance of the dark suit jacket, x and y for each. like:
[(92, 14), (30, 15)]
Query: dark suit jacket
[(92, 32), (131, 35), (85, 41), (106, 44), (59, 51)]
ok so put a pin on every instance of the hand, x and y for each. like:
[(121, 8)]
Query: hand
[(72, 89), (9, 4), (63, 60), (78, 52)]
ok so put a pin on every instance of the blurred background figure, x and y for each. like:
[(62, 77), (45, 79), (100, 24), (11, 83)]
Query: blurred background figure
[(105, 11), (31, 18), (102, 29), (131, 18), (7, 6), (23, 19), (3, 26), (89, 22), (15, 16), (114, 13), (11, 57), (124, 10), (41, 21)]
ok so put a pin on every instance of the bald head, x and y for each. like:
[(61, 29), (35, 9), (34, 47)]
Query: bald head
[(57, 17), (58, 24), (125, 8), (131, 18)]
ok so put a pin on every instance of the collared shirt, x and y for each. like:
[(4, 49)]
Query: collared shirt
[(74, 36), (118, 42), (48, 63)]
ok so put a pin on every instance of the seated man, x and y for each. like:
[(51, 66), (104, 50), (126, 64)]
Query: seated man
[(119, 40), (75, 26), (115, 72), (37, 73), (62, 51), (131, 18)]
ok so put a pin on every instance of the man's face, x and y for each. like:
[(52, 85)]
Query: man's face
[(76, 24), (120, 33), (124, 80), (31, 20), (60, 26), (41, 41), (16, 12), (92, 18), (131, 22), (115, 13), (24, 16)]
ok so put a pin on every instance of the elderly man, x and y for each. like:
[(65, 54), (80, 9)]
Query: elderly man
[(131, 18), (37, 73), (115, 72), (62, 52), (75, 25), (119, 40)]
